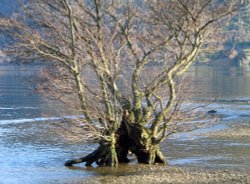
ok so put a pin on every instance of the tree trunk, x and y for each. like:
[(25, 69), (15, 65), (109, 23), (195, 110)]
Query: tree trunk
[(139, 142), (129, 137)]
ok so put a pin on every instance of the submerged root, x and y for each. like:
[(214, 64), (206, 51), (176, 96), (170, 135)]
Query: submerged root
[(102, 156)]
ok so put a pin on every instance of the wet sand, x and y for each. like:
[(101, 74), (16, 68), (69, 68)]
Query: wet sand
[(173, 175), (234, 131)]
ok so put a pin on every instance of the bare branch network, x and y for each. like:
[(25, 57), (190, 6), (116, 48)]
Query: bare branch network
[(116, 64)]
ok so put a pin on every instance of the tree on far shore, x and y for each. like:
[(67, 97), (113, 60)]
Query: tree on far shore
[(116, 65)]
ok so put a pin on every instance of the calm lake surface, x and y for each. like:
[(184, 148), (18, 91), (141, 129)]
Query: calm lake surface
[(31, 153)]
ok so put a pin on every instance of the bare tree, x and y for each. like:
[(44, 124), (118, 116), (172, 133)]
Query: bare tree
[(115, 65)]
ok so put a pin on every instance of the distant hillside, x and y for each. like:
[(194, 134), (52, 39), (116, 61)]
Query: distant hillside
[(235, 49)]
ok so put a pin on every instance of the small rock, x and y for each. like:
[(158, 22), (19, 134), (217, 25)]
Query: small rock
[(212, 111)]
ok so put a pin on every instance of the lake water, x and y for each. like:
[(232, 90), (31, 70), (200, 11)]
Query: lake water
[(31, 153)]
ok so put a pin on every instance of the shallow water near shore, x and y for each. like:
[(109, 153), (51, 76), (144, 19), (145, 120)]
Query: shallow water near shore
[(31, 153)]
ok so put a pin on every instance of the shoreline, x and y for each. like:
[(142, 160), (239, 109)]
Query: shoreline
[(184, 174)]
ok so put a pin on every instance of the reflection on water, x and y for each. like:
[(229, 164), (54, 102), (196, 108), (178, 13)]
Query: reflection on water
[(32, 153), (16, 97), (227, 82)]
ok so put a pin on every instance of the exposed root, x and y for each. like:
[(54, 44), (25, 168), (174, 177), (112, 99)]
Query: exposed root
[(129, 137)]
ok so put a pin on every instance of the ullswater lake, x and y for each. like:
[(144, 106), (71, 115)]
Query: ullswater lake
[(31, 153)]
